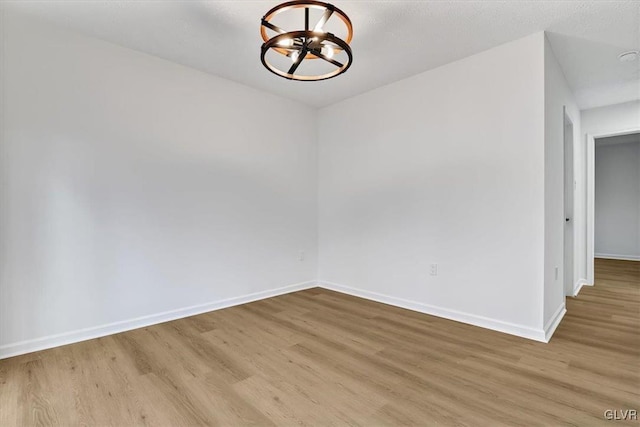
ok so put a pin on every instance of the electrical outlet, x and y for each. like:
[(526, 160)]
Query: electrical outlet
[(301, 256), (433, 270)]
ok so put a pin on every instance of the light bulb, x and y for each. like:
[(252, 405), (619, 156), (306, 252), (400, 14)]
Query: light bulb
[(286, 42), (329, 51), (294, 56)]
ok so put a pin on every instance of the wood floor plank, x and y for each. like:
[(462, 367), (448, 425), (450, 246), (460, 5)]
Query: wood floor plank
[(34, 402), (318, 357)]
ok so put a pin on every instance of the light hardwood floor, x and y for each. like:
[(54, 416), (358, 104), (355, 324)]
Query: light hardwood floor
[(318, 357)]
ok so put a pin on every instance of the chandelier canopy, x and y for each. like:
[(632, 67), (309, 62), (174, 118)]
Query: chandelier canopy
[(294, 54)]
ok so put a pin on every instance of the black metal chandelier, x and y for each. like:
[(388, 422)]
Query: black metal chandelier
[(288, 53)]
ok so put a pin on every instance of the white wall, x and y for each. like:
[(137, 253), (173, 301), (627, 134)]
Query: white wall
[(445, 167), (610, 119), (617, 200), (557, 97), (133, 186)]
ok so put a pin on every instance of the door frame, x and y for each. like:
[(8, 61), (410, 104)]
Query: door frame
[(567, 120), (591, 192)]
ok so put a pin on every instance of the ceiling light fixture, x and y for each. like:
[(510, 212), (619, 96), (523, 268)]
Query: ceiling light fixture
[(307, 44)]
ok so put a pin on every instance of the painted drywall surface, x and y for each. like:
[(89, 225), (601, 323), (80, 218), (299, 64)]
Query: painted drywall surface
[(617, 200), (133, 186), (610, 119), (446, 167), (557, 97)]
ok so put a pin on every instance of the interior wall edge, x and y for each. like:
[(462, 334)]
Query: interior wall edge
[(71, 337)]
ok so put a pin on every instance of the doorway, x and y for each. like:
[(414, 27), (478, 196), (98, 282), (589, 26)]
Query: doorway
[(569, 189), (617, 197), (590, 198)]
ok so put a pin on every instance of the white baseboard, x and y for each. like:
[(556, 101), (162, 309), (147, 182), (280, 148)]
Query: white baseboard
[(28, 346), (541, 335), (43, 343), (618, 256), (553, 323), (579, 284)]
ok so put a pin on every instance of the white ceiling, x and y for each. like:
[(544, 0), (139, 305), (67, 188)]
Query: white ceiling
[(392, 39)]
